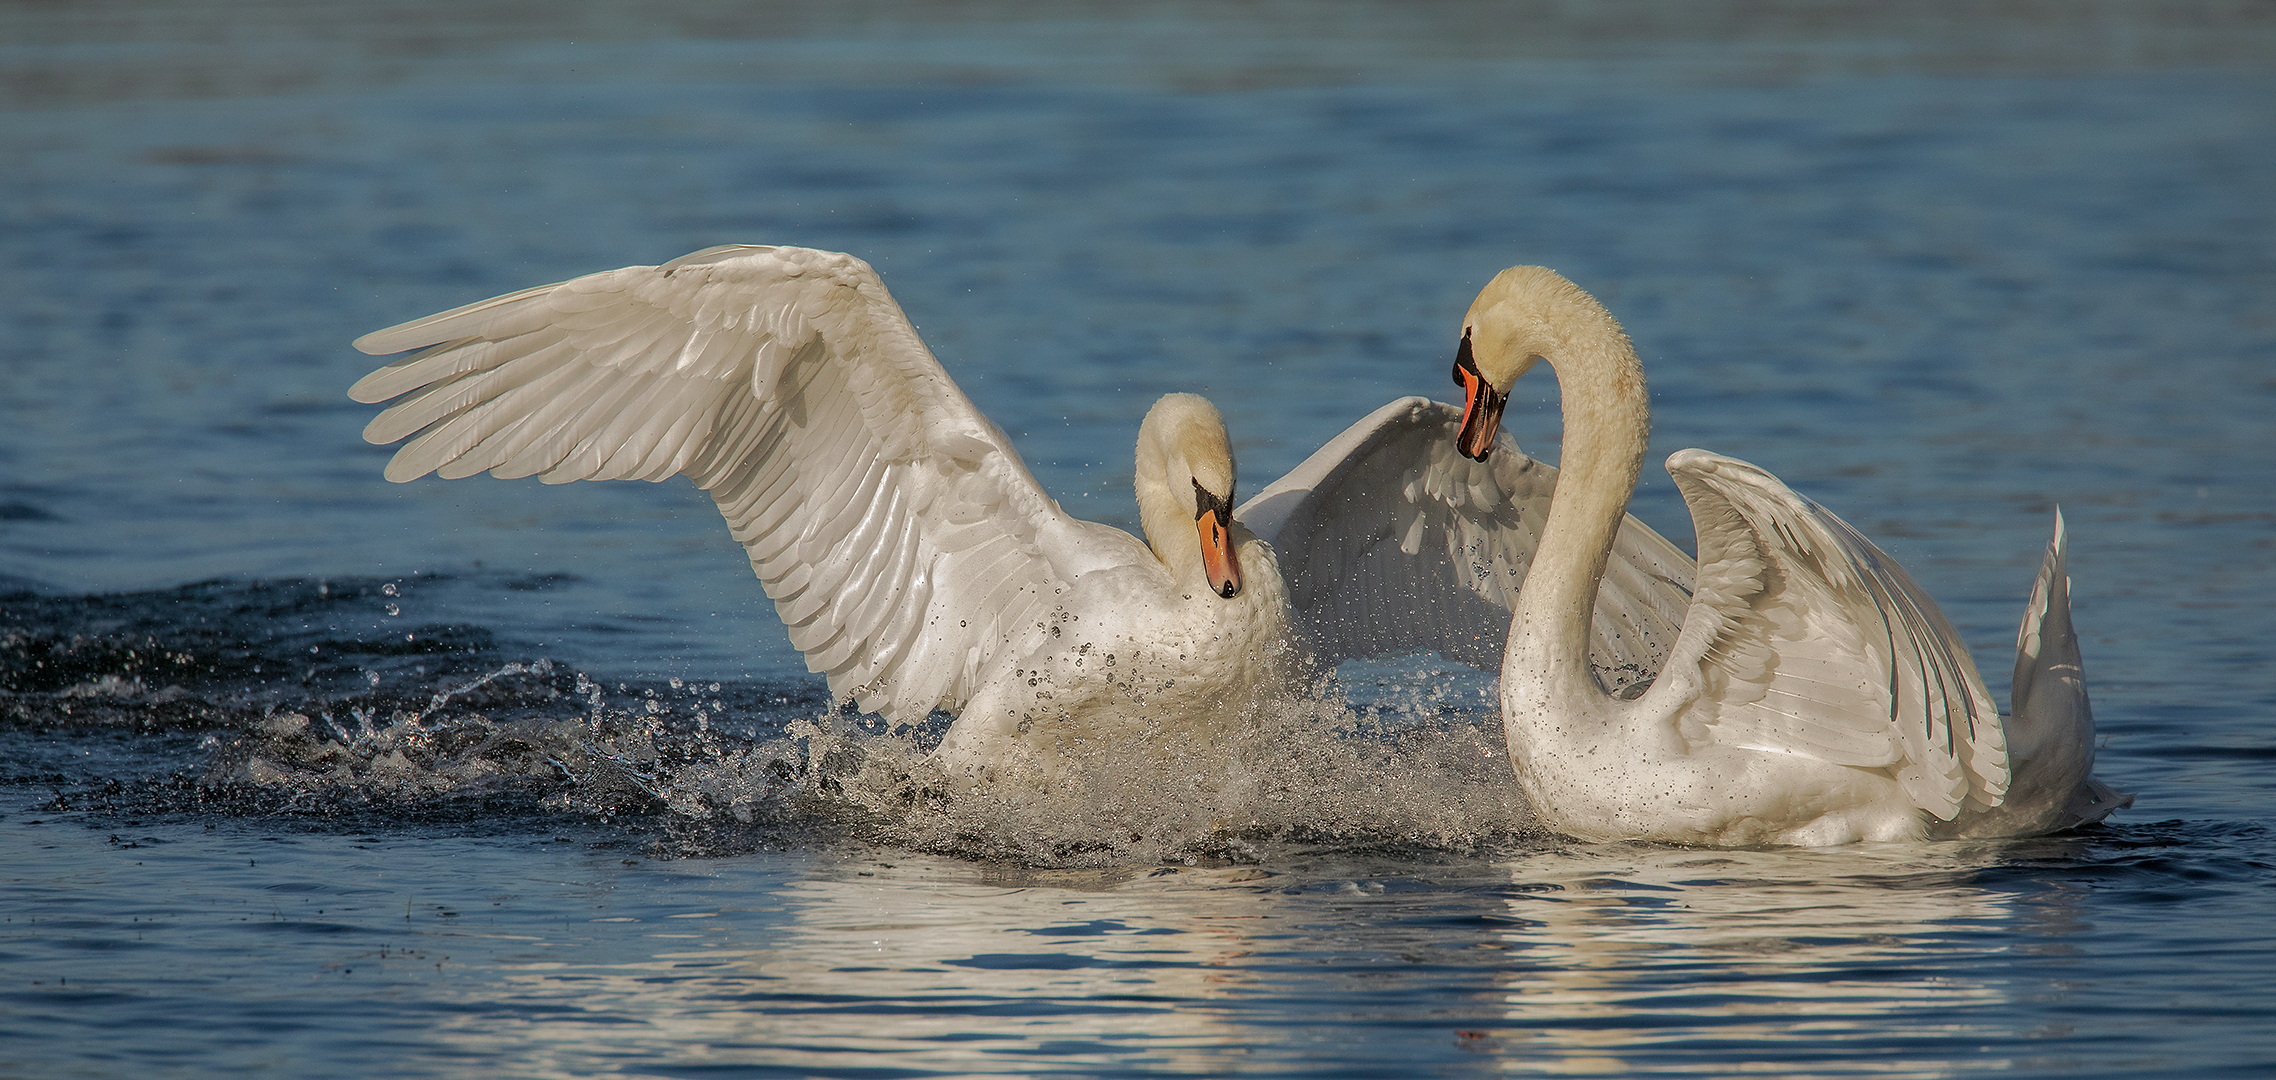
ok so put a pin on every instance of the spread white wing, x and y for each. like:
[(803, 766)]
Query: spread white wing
[(903, 541), (1804, 638), (1392, 541)]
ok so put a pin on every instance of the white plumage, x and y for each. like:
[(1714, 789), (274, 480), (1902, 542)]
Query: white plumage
[(1391, 542), (1815, 694), (914, 559)]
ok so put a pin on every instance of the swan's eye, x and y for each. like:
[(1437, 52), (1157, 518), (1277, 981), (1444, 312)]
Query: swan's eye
[(1466, 363), (1206, 503)]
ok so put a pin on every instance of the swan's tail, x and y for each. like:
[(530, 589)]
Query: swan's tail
[(2050, 736)]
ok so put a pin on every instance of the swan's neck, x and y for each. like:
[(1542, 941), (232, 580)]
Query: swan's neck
[(1168, 522), (1607, 417)]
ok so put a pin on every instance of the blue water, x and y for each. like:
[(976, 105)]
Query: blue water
[(302, 773)]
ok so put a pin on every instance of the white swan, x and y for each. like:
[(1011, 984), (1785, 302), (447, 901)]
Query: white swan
[(913, 557), (1815, 696)]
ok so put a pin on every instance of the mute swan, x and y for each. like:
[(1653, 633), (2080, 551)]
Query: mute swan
[(915, 560), (1815, 696)]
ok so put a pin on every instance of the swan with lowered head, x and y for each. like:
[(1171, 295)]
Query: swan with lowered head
[(914, 559), (1815, 695), (911, 555)]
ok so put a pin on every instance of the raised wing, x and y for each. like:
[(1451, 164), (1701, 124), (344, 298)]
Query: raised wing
[(904, 543), (1806, 639), (1392, 541)]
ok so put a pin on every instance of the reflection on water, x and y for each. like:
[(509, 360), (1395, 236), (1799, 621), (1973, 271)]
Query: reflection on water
[(1105, 974), (1864, 946), (1587, 961), (931, 965), (568, 955)]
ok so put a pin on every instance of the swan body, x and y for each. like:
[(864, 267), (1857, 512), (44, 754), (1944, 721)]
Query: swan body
[(915, 560), (1157, 645), (1814, 696)]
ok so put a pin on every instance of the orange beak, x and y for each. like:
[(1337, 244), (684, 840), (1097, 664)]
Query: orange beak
[(1217, 558), (1481, 405)]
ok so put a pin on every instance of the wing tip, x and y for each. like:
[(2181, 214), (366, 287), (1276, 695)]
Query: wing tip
[(365, 391), (399, 471), (376, 343)]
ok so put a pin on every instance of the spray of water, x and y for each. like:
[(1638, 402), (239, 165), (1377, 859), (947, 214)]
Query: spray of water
[(1403, 771)]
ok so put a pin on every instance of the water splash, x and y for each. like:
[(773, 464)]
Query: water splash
[(1309, 771), (301, 699)]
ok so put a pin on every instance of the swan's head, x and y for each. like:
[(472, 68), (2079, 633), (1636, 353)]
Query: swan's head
[(1524, 314), (1185, 461)]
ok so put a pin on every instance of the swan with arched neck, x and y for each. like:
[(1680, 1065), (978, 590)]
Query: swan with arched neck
[(1815, 694)]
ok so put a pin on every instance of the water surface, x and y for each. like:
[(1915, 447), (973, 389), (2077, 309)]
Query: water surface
[(303, 772)]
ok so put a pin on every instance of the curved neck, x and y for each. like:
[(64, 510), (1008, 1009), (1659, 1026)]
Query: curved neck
[(1181, 444), (1607, 416), (1167, 520)]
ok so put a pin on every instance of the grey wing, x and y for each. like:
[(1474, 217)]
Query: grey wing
[(1392, 541)]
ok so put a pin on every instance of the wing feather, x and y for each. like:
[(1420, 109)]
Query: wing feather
[(446, 403), (1392, 541), (883, 571), (900, 642), (675, 446), (600, 454), (468, 434), (447, 362), (1807, 639), (497, 318), (854, 558), (906, 546), (544, 442), (492, 432)]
